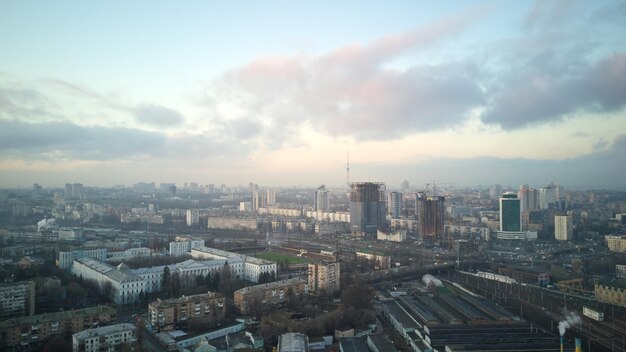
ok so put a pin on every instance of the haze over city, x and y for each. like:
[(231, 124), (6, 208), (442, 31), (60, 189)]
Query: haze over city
[(278, 92)]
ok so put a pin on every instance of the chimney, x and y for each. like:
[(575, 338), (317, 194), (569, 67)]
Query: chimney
[(561, 343)]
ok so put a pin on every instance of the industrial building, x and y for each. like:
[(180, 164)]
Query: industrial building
[(450, 318)]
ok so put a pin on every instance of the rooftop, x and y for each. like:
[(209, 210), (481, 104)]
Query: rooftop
[(58, 316), (271, 285), (104, 330)]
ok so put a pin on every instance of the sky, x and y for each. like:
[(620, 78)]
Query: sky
[(281, 92)]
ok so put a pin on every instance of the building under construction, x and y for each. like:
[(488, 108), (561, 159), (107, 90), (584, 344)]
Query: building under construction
[(368, 208), (430, 212)]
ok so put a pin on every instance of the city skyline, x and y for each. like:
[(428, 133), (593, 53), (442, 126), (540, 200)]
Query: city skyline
[(466, 93)]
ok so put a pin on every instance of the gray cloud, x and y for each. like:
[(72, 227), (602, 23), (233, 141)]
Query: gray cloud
[(67, 140), (542, 97), (159, 116)]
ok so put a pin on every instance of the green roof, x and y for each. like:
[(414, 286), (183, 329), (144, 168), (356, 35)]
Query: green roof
[(370, 251), (57, 316)]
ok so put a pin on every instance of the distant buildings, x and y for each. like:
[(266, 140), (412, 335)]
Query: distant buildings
[(563, 228), (273, 293), (393, 236), (105, 338), (367, 208), (193, 217), (510, 213), (270, 197), (321, 199), (259, 200), (17, 299), (529, 198), (324, 278), (616, 243), (172, 313), (430, 215), (394, 204), (243, 223), (28, 331), (547, 197)]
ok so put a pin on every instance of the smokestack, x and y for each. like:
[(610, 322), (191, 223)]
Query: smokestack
[(561, 343), (578, 345)]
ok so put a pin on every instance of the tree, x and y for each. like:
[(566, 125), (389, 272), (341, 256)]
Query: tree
[(357, 296), (166, 283)]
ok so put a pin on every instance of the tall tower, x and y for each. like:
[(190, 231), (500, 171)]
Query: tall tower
[(510, 213), (430, 214), (367, 208), (394, 204), (563, 228), (321, 199)]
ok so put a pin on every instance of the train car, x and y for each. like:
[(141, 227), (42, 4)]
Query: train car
[(593, 314)]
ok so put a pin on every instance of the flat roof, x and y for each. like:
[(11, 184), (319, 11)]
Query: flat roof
[(104, 330), (57, 316)]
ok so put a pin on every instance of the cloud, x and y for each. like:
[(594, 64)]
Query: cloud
[(545, 96), (350, 91), (159, 116), (66, 140)]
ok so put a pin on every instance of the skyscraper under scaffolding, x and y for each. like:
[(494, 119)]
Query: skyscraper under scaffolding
[(430, 212), (367, 208)]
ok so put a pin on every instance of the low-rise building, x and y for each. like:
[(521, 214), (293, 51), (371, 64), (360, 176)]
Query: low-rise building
[(173, 313), (293, 342), (28, 332), (380, 260), (17, 299), (125, 286), (616, 243), (66, 259), (247, 298), (611, 292), (393, 236), (106, 338)]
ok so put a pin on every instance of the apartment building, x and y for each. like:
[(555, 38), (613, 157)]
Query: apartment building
[(172, 313), (324, 278), (272, 293), (28, 332), (17, 299), (106, 338)]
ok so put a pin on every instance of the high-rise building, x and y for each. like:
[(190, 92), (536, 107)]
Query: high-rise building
[(563, 228), (430, 214), (321, 199), (394, 204), (510, 213), (259, 200), (172, 191), (193, 217), (367, 208), (495, 191), (175, 312), (547, 197), (270, 196), (529, 198)]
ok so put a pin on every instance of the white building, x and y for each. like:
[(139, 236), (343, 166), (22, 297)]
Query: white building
[(259, 200), (193, 217), (130, 253), (106, 338), (547, 197), (182, 247), (70, 234), (126, 286), (563, 228), (270, 197), (66, 259), (245, 206), (246, 267), (321, 199), (394, 236)]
